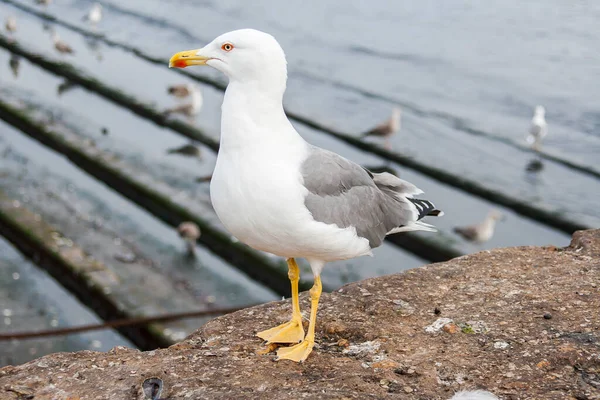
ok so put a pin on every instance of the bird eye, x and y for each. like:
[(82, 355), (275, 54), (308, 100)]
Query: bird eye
[(227, 47)]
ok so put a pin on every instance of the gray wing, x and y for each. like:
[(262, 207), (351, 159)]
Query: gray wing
[(343, 193)]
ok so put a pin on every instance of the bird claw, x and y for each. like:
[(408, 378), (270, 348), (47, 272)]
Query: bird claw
[(290, 332), (297, 353)]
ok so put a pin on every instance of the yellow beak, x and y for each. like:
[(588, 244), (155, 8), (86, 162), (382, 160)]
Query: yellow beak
[(186, 58)]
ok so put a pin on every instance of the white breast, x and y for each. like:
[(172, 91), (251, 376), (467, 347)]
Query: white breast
[(259, 198)]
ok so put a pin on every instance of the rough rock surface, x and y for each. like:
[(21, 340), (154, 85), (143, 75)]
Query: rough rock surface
[(523, 323)]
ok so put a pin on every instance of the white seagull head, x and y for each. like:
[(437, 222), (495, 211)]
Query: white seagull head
[(245, 56), (495, 215), (540, 110)]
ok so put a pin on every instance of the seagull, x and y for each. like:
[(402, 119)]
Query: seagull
[(43, 2), (474, 395), (538, 128), (387, 128), (481, 232), (180, 91), (11, 24), (190, 109), (94, 15), (60, 45), (64, 87), (189, 150), (190, 232), (14, 63), (277, 193)]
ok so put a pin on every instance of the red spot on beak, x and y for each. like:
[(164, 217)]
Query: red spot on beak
[(180, 64)]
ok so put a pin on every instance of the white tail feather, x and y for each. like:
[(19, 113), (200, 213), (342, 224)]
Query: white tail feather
[(415, 226)]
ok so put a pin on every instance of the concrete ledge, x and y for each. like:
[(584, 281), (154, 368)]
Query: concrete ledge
[(523, 323)]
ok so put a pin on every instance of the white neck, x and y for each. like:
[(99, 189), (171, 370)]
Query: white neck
[(253, 117)]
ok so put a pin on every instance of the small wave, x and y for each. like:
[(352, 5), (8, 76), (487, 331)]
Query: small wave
[(411, 58)]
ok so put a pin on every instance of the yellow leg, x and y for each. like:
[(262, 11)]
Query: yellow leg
[(292, 331), (301, 351)]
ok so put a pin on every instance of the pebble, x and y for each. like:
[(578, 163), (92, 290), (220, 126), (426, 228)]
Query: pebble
[(404, 308), (501, 345), (547, 316), (542, 364), (407, 389), (437, 325), (126, 257), (450, 328)]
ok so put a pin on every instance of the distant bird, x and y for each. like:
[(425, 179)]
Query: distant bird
[(387, 128), (191, 108), (534, 166), (202, 179), (94, 15), (189, 232), (538, 128), (11, 24), (474, 395), (189, 150), (93, 44), (481, 232), (180, 91), (14, 63), (60, 45), (64, 87), (43, 2)]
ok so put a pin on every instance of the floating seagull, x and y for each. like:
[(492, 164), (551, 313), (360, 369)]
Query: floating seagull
[(190, 109), (14, 63), (276, 193), (64, 87), (94, 15), (538, 128), (474, 395), (387, 128), (190, 150), (481, 232), (190, 232), (203, 179), (11, 24), (180, 91), (60, 45), (534, 166)]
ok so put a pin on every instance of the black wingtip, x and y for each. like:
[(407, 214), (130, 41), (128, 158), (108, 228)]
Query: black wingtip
[(425, 208)]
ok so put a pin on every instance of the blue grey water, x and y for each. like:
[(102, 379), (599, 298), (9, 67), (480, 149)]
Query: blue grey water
[(488, 63), (455, 67)]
